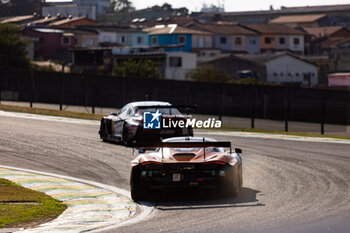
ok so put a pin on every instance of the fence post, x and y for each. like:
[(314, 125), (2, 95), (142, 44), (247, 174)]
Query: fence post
[(287, 109), (31, 89), (323, 112), (93, 94), (253, 107), (62, 93), (222, 102)]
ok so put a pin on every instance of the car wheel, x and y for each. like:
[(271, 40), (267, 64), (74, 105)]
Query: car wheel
[(103, 131), (139, 191), (125, 137), (231, 186)]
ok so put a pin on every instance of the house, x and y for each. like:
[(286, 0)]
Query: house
[(178, 64), (50, 43), (120, 36), (278, 38), (172, 65), (229, 37), (286, 68), (72, 22), (301, 20), (181, 38), (84, 38), (232, 65)]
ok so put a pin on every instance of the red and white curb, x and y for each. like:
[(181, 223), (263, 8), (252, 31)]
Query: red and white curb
[(91, 206)]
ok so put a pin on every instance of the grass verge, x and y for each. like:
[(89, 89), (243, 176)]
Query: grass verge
[(20, 206), (90, 116), (280, 132), (51, 112)]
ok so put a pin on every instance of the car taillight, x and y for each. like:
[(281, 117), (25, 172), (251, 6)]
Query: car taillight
[(146, 163), (215, 162)]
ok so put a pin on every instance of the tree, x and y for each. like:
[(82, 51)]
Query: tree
[(141, 68), (12, 47), (208, 74)]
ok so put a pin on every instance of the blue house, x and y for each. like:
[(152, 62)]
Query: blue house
[(176, 38)]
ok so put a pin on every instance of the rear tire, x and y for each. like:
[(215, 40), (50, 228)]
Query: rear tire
[(231, 186), (103, 131), (139, 191), (125, 140)]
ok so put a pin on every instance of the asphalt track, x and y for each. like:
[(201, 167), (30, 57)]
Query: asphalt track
[(289, 186)]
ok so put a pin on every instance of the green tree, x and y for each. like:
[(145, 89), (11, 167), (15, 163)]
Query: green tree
[(141, 68), (12, 47), (208, 74)]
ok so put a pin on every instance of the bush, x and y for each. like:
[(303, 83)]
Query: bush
[(208, 74), (141, 68)]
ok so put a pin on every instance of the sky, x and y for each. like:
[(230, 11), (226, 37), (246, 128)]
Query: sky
[(236, 5)]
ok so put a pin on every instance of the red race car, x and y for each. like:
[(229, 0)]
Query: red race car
[(185, 162)]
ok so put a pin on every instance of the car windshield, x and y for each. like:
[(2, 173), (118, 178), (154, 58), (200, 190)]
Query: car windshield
[(166, 111)]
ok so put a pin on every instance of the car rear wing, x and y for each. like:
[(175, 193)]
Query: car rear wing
[(184, 107), (204, 144)]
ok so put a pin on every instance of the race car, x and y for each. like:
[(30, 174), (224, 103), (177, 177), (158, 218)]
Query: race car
[(128, 125), (182, 162)]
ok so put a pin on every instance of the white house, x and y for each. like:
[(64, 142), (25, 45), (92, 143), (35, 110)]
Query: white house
[(178, 64), (287, 68)]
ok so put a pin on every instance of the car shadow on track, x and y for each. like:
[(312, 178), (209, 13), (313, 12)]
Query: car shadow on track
[(197, 199)]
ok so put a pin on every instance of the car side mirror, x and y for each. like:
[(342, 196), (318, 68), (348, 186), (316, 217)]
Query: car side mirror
[(238, 150), (142, 151)]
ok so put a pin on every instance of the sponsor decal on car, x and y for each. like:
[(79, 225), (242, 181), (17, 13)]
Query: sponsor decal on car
[(154, 120)]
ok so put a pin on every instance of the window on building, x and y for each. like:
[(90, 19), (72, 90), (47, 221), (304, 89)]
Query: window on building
[(139, 39), (238, 40), (268, 40), (66, 40), (175, 61), (154, 40), (90, 41), (281, 74), (223, 40), (282, 40), (122, 39), (296, 41), (182, 40), (252, 41)]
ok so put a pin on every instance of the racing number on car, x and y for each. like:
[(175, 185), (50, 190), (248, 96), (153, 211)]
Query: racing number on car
[(176, 177)]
